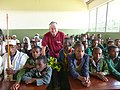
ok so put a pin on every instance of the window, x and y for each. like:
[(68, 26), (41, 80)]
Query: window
[(105, 18), (101, 18), (113, 22), (92, 23)]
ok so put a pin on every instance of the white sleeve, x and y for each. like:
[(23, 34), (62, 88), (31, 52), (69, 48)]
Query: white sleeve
[(23, 60), (1, 65)]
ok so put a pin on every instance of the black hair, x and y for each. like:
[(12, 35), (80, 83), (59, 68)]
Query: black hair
[(1, 34), (68, 40), (42, 58), (78, 44), (96, 48), (112, 47), (95, 39), (37, 47), (110, 41), (117, 40)]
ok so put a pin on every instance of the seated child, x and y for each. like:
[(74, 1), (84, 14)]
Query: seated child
[(98, 66), (117, 43), (89, 50), (113, 61), (109, 43), (36, 52), (64, 53), (64, 83), (79, 64), (41, 74)]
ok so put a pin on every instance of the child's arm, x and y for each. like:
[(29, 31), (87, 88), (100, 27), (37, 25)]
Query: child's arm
[(105, 68), (114, 71), (46, 77), (29, 75), (72, 68), (102, 76)]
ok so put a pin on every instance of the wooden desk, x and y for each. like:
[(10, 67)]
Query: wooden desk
[(96, 84), (6, 86)]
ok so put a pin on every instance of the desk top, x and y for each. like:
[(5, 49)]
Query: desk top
[(96, 84), (5, 85)]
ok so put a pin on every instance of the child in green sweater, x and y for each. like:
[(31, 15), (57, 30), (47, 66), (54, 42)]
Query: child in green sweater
[(98, 66)]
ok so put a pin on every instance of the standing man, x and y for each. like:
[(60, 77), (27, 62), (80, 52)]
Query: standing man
[(54, 40)]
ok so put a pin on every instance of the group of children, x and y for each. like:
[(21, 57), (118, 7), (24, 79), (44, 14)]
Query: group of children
[(32, 69), (81, 65), (77, 60)]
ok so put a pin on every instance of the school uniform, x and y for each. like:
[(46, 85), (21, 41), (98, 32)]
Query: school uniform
[(43, 77), (31, 62), (89, 51), (101, 66), (79, 70), (63, 59), (114, 66)]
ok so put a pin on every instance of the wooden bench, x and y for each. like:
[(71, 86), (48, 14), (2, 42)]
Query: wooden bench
[(96, 84), (5, 85)]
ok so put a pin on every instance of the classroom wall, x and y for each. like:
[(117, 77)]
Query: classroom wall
[(28, 15), (43, 5), (24, 16), (31, 32), (37, 14)]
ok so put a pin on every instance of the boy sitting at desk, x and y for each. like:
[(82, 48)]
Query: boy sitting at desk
[(30, 63), (113, 61), (79, 64), (98, 66), (41, 74)]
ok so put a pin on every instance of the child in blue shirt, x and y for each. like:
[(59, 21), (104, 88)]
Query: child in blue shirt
[(79, 64), (41, 74)]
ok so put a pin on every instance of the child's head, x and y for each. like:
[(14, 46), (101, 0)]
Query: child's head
[(99, 41), (113, 51), (41, 62), (97, 53), (67, 43), (94, 42), (85, 43), (117, 42), (79, 50), (110, 42), (36, 52), (99, 35)]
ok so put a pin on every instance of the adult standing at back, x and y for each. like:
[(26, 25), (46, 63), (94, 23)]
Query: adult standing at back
[(54, 41)]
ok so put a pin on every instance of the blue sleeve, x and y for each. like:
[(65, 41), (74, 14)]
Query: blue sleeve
[(46, 77), (85, 69), (28, 75), (39, 82), (72, 68)]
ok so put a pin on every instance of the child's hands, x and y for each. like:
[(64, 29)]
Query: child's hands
[(15, 86), (101, 76), (29, 66), (87, 83), (81, 78), (30, 81), (10, 71)]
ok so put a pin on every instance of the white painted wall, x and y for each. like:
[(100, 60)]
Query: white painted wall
[(41, 19)]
